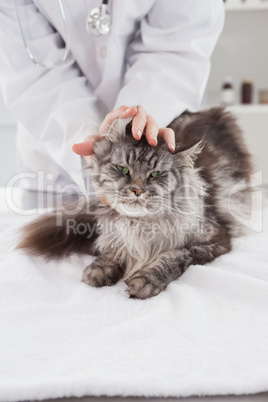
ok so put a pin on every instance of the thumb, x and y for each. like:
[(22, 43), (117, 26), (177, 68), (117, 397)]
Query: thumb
[(86, 147)]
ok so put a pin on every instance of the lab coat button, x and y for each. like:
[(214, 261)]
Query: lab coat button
[(103, 52)]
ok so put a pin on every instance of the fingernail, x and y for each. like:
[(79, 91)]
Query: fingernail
[(153, 140), (171, 146), (128, 110), (139, 133)]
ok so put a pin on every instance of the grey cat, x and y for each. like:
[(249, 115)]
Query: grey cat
[(156, 212)]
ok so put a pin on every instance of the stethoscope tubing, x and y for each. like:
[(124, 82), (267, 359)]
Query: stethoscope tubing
[(64, 59), (67, 49)]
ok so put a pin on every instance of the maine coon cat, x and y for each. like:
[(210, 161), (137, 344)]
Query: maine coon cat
[(160, 211)]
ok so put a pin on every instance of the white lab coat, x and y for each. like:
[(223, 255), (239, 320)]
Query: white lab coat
[(156, 55)]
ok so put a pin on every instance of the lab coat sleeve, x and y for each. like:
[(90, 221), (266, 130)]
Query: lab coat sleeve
[(57, 106), (169, 60)]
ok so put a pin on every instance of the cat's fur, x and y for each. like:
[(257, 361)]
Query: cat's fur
[(150, 235)]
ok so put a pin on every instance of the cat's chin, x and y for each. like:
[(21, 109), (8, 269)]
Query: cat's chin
[(133, 210)]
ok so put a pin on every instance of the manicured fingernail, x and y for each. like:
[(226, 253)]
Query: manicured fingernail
[(171, 146), (128, 110), (154, 140), (139, 133)]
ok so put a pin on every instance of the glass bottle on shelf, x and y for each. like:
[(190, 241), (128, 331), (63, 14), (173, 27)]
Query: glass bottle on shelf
[(246, 91), (227, 92)]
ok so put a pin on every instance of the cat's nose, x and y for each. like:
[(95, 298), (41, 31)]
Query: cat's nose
[(137, 191)]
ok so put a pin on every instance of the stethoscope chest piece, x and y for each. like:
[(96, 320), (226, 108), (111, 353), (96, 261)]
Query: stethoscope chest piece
[(99, 21)]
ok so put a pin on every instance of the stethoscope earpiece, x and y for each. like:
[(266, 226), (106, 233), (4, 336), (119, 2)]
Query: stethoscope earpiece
[(99, 20)]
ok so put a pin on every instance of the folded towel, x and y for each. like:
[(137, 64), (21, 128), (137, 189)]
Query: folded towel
[(207, 333)]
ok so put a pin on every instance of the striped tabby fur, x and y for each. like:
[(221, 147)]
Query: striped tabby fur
[(149, 230)]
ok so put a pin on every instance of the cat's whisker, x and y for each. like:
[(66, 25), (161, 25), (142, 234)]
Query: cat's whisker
[(210, 220), (164, 211), (54, 197), (75, 202)]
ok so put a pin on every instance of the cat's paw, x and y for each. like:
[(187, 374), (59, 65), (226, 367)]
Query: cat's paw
[(142, 287), (102, 273)]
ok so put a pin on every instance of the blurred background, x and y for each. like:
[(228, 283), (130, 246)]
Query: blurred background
[(7, 144), (241, 54), (238, 79)]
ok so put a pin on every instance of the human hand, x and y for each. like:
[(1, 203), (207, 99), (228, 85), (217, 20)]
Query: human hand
[(85, 148), (142, 123)]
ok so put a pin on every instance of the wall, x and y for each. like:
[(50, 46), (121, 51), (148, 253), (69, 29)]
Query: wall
[(7, 145), (241, 52)]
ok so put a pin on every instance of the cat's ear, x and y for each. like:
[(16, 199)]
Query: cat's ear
[(119, 129), (189, 144)]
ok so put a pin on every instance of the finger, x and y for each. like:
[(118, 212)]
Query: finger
[(151, 131), (103, 199), (87, 158), (86, 147), (122, 112), (169, 137), (139, 123)]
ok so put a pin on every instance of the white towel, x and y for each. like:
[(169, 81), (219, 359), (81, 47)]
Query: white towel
[(207, 333)]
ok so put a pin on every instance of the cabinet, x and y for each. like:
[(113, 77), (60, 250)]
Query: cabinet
[(242, 51)]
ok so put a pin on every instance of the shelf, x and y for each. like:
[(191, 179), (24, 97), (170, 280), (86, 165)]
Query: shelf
[(248, 109), (254, 108), (247, 6)]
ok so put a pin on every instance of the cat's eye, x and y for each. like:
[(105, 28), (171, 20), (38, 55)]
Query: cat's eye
[(122, 169), (156, 174)]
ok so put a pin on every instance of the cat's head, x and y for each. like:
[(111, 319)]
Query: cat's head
[(137, 179)]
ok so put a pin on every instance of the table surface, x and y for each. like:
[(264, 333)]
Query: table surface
[(263, 397), (25, 201)]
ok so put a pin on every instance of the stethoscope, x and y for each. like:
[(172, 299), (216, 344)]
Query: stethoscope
[(98, 23)]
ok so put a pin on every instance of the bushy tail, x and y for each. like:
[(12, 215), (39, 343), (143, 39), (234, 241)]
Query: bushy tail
[(59, 235)]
